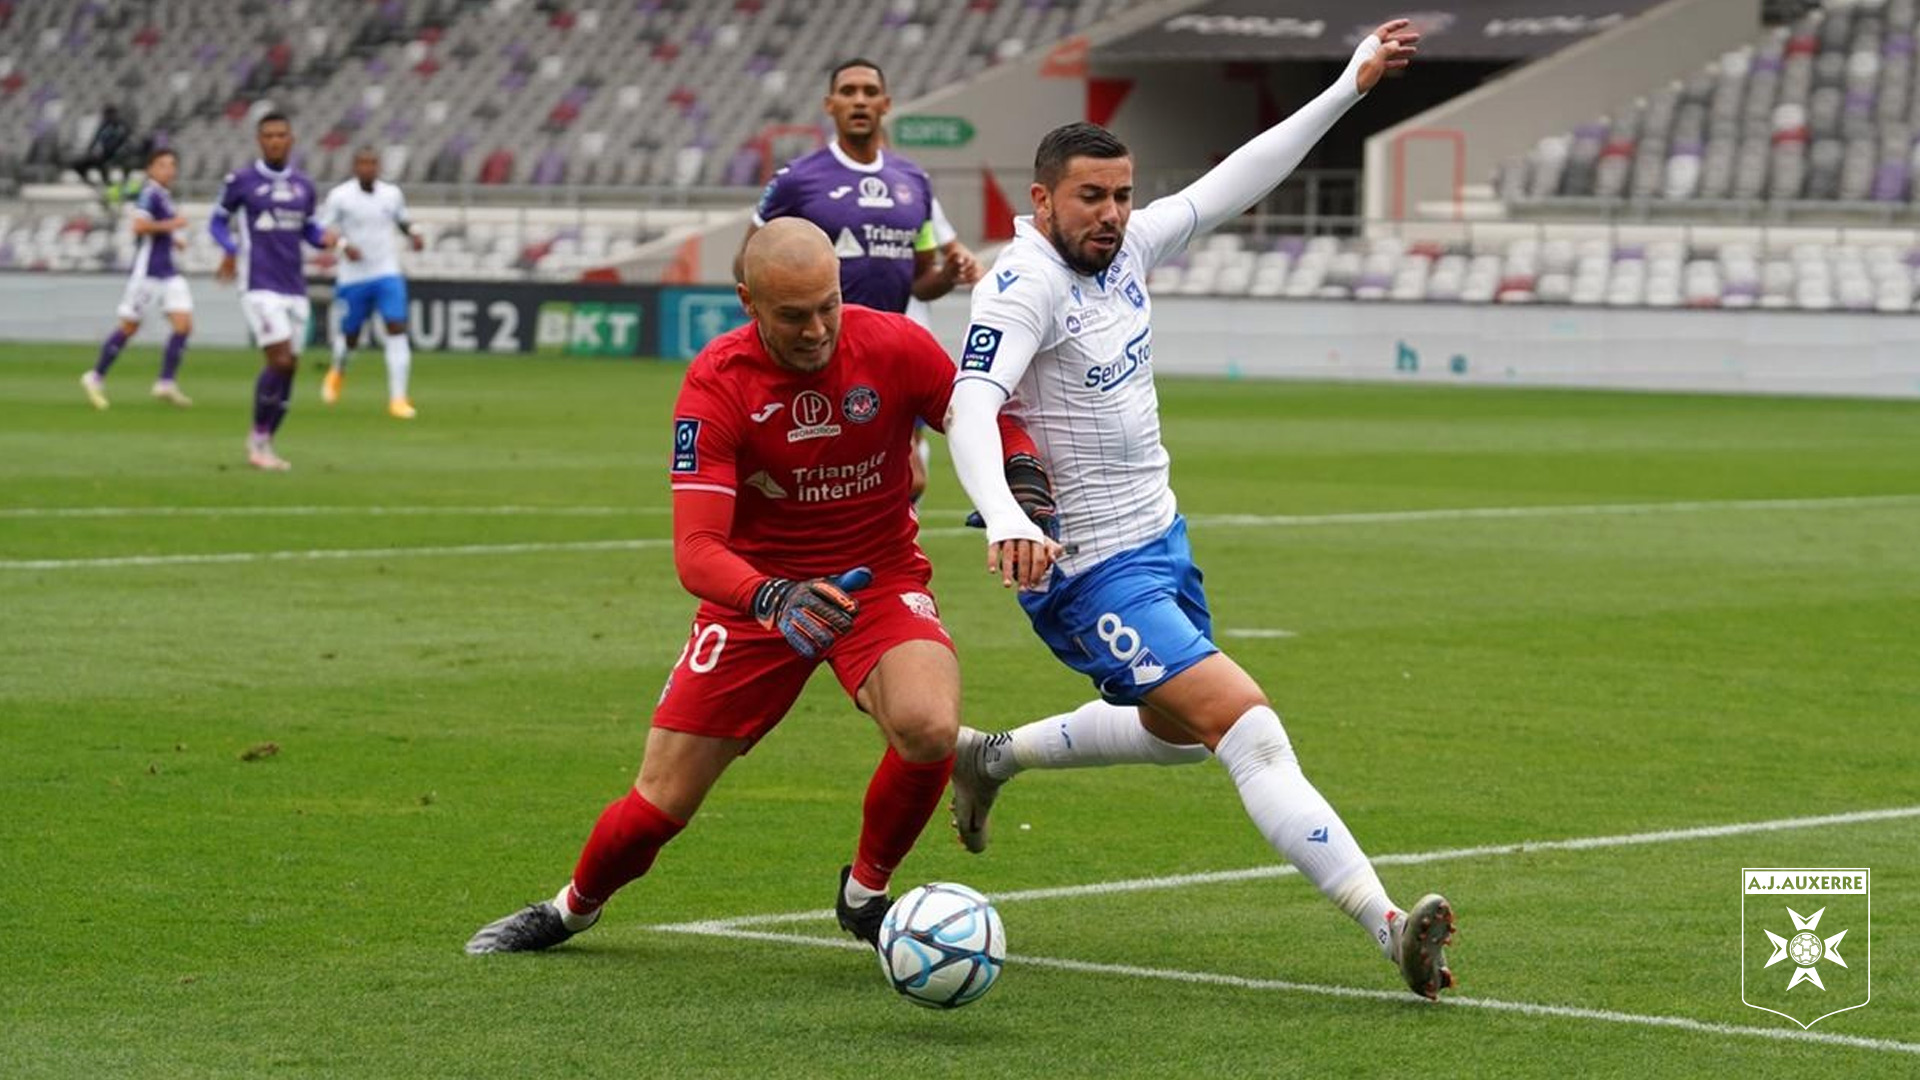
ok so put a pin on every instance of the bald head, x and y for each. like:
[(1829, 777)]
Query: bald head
[(788, 247), (790, 285)]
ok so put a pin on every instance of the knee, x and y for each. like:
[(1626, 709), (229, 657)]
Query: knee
[(1221, 714), (1256, 740), (926, 734)]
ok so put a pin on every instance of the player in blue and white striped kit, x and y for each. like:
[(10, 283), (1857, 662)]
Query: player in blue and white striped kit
[(1062, 338)]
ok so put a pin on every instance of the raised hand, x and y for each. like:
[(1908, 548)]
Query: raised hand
[(1399, 41)]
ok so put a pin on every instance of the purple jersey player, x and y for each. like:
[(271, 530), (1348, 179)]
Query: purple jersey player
[(877, 208), (274, 205), (154, 280)]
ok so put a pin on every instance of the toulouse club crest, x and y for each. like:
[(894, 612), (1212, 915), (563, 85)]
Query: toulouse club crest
[(861, 404)]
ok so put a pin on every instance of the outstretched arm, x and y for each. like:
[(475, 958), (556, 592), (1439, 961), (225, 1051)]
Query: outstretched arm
[(1258, 167)]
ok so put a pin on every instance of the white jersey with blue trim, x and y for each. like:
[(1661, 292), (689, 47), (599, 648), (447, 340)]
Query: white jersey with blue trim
[(370, 221), (1087, 398)]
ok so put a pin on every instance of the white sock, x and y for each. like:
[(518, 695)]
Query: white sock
[(340, 352), (857, 893), (399, 365), (568, 917), (1093, 734), (1296, 819)]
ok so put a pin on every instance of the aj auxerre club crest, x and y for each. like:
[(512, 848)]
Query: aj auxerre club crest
[(1805, 948)]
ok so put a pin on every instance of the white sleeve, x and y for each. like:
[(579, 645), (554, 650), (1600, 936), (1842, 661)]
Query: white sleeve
[(1009, 326), (1161, 230), (330, 210), (973, 439), (943, 231), (1012, 314), (399, 208), (1259, 166)]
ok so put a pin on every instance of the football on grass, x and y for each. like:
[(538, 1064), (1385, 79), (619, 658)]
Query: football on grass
[(941, 945)]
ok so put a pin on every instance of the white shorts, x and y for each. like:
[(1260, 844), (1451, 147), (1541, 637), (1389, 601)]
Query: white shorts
[(171, 293), (276, 317)]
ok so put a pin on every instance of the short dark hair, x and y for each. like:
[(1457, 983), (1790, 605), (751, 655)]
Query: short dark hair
[(274, 117), (1069, 141), (833, 78), (160, 153)]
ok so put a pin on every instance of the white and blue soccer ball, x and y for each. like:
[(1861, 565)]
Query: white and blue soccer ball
[(942, 945)]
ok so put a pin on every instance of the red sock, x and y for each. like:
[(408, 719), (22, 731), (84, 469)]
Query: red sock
[(630, 832), (901, 800)]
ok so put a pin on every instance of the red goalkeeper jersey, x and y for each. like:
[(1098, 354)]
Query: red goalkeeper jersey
[(814, 464)]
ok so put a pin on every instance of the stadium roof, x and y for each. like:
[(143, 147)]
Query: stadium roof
[(1328, 29)]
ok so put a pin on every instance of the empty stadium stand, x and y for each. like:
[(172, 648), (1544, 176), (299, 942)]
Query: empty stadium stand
[(1824, 110), (501, 92), (1874, 273)]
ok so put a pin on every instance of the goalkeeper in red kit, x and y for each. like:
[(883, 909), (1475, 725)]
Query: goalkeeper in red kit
[(792, 525)]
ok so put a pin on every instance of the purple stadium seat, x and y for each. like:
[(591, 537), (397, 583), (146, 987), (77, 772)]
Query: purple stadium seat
[(743, 168), (1890, 182), (551, 168)]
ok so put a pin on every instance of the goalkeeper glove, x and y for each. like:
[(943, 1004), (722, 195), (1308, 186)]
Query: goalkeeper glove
[(810, 614), (1027, 479)]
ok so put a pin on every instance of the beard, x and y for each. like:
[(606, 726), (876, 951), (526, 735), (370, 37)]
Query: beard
[(1085, 264)]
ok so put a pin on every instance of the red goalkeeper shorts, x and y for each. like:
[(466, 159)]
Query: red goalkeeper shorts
[(736, 679)]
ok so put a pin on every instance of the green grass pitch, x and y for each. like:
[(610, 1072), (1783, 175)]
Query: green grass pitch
[(1675, 612)]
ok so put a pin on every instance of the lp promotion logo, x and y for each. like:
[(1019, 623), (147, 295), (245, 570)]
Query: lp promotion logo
[(1805, 951)]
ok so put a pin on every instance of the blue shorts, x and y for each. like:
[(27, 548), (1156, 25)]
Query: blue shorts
[(1133, 621), (389, 294)]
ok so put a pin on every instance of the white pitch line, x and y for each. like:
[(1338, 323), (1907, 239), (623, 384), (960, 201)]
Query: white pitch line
[(1209, 520), (1256, 632), (1207, 978), (1391, 517), (1276, 870), (325, 511), (230, 557)]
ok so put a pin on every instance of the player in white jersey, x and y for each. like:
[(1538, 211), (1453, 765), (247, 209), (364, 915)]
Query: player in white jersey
[(1061, 335), (366, 216)]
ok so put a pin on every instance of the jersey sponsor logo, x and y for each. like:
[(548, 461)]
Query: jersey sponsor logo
[(873, 193), (982, 343), (847, 245), (1137, 354), (811, 412), (766, 485), (1005, 279), (861, 404), (903, 193), (1073, 324), (1134, 294), (686, 446), (828, 483), (840, 192), (921, 604), (766, 411)]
